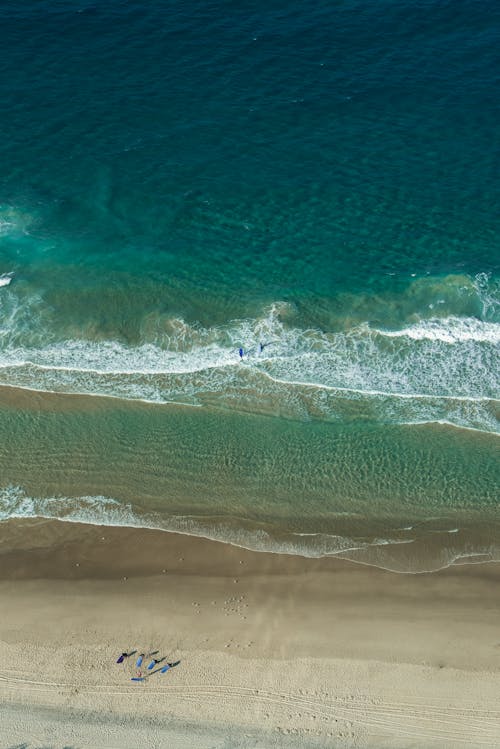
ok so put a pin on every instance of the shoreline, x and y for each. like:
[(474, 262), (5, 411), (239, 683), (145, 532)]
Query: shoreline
[(403, 498), (432, 551), (311, 651)]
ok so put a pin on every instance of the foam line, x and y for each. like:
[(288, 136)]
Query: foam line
[(104, 511), (293, 383), (448, 330), (384, 393), (444, 369), (100, 510)]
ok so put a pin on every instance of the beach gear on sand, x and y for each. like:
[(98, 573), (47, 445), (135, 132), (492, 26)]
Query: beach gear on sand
[(155, 662), (137, 678), (122, 657), (167, 666), (138, 662)]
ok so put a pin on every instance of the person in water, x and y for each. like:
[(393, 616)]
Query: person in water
[(241, 352)]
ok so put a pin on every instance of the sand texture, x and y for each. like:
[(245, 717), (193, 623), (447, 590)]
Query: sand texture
[(274, 650)]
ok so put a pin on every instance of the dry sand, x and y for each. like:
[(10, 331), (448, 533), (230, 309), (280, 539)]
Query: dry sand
[(274, 651)]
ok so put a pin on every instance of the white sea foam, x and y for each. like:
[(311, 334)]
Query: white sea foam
[(488, 292), (100, 510), (439, 369), (97, 510), (395, 554), (449, 330), (6, 278), (14, 221)]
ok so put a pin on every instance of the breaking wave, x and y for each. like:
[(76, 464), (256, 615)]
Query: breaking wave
[(434, 369), (408, 550), (6, 278)]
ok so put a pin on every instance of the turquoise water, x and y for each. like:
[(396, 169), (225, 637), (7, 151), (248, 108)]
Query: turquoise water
[(180, 181)]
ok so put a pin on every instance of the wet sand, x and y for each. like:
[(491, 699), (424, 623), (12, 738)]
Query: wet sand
[(272, 648)]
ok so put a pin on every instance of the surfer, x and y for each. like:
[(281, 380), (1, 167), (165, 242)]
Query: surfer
[(262, 346)]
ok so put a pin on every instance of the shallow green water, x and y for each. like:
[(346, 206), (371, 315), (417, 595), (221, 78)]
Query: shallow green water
[(317, 186)]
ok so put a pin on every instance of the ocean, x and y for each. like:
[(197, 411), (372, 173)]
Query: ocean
[(314, 183)]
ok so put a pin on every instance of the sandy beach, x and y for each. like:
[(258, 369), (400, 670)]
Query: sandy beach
[(249, 375), (274, 650)]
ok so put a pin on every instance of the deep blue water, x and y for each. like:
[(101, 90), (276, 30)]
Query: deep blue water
[(279, 149), (181, 179)]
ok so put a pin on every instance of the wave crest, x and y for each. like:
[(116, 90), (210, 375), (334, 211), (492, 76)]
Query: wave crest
[(407, 550), (435, 369)]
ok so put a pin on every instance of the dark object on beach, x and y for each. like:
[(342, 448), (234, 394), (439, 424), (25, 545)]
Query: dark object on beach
[(144, 655), (155, 662), (168, 666), (126, 655)]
